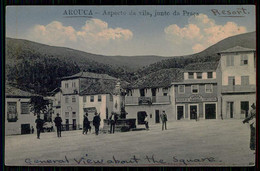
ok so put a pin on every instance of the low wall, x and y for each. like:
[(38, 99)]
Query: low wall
[(122, 125)]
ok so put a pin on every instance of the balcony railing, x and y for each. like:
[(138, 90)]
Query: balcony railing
[(129, 100), (238, 89)]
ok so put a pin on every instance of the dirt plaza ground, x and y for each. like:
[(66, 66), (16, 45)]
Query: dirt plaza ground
[(184, 143)]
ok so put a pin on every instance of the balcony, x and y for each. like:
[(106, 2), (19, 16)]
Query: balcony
[(238, 89), (129, 100)]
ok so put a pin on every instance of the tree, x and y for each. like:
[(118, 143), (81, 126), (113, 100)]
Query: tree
[(38, 105)]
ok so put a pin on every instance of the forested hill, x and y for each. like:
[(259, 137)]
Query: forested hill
[(38, 67), (131, 63), (247, 40)]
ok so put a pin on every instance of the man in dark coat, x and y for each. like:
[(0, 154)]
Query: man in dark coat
[(86, 124), (113, 119), (39, 124), (58, 124), (164, 120), (96, 122), (251, 120)]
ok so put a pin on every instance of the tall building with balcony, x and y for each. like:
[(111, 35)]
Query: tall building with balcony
[(237, 83), (196, 95), (151, 95)]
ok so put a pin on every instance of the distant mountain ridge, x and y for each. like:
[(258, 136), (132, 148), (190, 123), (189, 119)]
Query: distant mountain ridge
[(130, 62)]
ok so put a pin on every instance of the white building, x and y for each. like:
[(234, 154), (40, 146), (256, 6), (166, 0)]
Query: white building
[(237, 83), (87, 92), (18, 118)]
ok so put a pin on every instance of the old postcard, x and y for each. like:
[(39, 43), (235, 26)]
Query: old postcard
[(130, 85)]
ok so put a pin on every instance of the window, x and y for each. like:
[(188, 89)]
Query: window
[(208, 88), (73, 99), (73, 84), (190, 75), (210, 75), (67, 114), (99, 98), (142, 92), (230, 60), (66, 99), (181, 89), (244, 80), (84, 98), (244, 60), (91, 98), (231, 80), (111, 97), (12, 112), (66, 85), (73, 114), (199, 75), (165, 94), (194, 89), (25, 108)]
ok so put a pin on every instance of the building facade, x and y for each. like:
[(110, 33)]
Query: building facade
[(196, 95), (237, 83), (151, 95), (87, 92), (151, 102), (18, 118)]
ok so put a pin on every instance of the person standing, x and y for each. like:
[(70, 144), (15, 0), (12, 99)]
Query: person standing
[(32, 130), (164, 120), (58, 124), (39, 125), (251, 120), (86, 124), (96, 122), (112, 119), (146, 122)]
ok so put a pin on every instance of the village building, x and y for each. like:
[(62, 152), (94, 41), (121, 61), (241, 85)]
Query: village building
[(196, 95), (151, 95), (88, 92), (18, 118), (237, 83)]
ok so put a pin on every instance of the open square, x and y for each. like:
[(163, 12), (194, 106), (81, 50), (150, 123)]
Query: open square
[(184, 143)]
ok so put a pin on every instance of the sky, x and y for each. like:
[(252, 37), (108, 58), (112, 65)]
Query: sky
[(130, 30)]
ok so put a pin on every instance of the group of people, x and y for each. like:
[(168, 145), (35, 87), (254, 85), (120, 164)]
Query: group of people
[(163, 117), (86, 123), (96, 122), (39, 125)]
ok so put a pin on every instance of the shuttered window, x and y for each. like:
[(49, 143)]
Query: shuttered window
[(25, 109)]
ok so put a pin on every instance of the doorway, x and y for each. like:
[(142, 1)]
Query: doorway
[(210, 111), (230, 109), (193, 111), (74, 124), (180, 112), (25, 129), (140, 117), (244, 108), (157, 116)]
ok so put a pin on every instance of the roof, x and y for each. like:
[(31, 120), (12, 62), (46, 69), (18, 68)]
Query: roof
[(237, 49), (15, 92), (202, 66), (101, 86), (161, 78), (89, 75)]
